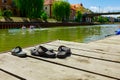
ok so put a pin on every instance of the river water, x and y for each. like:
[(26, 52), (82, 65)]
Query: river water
[(10, 38)]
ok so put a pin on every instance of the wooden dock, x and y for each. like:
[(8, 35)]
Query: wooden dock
[(99, 60)]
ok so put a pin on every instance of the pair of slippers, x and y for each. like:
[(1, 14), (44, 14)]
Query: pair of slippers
[(17, 51), (41, 51)]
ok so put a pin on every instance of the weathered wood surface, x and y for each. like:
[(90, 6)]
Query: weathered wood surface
[(5, 76), (99, 60), (102, 48), (33, 69), (89, 53)]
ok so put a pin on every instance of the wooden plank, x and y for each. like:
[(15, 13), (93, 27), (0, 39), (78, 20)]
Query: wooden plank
[(108, 41), (110, 44), (111, 38), (33, 69), (90, 53), (92, 65), (88, 47), (5, 76), (105, 57), (111, 48)]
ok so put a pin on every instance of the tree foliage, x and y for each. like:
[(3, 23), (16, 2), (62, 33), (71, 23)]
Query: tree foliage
[(61, 10), (30, 8), (7, 13), (78, 16), (44, 16), (1, 13), (102, 19)]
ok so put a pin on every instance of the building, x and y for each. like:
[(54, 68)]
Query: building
[(5, 4), (9, 5), (77, 7), (48, 7), (72, 13), (74, 8)]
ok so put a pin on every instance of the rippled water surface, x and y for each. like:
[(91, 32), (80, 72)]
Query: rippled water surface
[(9, 38)]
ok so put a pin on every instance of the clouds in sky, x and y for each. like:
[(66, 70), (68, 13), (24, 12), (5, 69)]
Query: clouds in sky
[(105, 9)]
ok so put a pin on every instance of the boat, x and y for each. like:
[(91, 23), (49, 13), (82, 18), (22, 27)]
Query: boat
[(117, 32)]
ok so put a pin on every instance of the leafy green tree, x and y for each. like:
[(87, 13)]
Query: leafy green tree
[(44, 16), (1, 13), (61, 10), (7, 13), (30, 8), (102, 19), (78, 16)]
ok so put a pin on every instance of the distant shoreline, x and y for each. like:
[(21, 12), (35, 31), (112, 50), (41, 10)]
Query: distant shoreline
[(9, 25)]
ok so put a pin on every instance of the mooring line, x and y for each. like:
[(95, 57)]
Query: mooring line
[(14, 75), (38, 58)]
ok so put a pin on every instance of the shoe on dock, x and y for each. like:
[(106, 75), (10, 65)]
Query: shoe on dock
[(34, 52), (64, 52), (43, 52), (17, 51)]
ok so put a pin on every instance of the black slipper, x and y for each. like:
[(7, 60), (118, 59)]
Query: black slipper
[(34, 52), (44, 52), (63, 52)]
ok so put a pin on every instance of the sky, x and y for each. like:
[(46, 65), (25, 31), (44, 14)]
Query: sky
[(100, 5)]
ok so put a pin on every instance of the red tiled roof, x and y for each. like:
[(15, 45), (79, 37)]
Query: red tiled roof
[(48, 2), (73, 8)]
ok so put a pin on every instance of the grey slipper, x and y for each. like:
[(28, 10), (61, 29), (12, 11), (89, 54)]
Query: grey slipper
[(34, 52), (44, 52), (17, 51)]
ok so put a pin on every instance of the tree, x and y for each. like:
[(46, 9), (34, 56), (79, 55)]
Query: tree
[(61, 10), (1, 13), (30, 8), (102, 19), (78, 16), (44, 16), (7, 13)]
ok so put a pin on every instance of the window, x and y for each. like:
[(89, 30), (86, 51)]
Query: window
[(45, 8)]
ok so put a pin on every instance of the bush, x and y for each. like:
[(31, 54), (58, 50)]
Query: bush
[(102, 19), (78, 16), (7, 13), (61, 10), (44, 16), (1, 13)]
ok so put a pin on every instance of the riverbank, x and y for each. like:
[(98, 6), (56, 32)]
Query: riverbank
[(18, 22), (9, 25)]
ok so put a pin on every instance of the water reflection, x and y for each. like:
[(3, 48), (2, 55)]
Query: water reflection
[(28, 37)]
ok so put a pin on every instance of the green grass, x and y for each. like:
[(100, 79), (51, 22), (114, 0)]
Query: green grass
[(51, 20), (23, 19)]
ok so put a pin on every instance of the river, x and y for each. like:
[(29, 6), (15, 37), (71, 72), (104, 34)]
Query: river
[(10, 38)]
